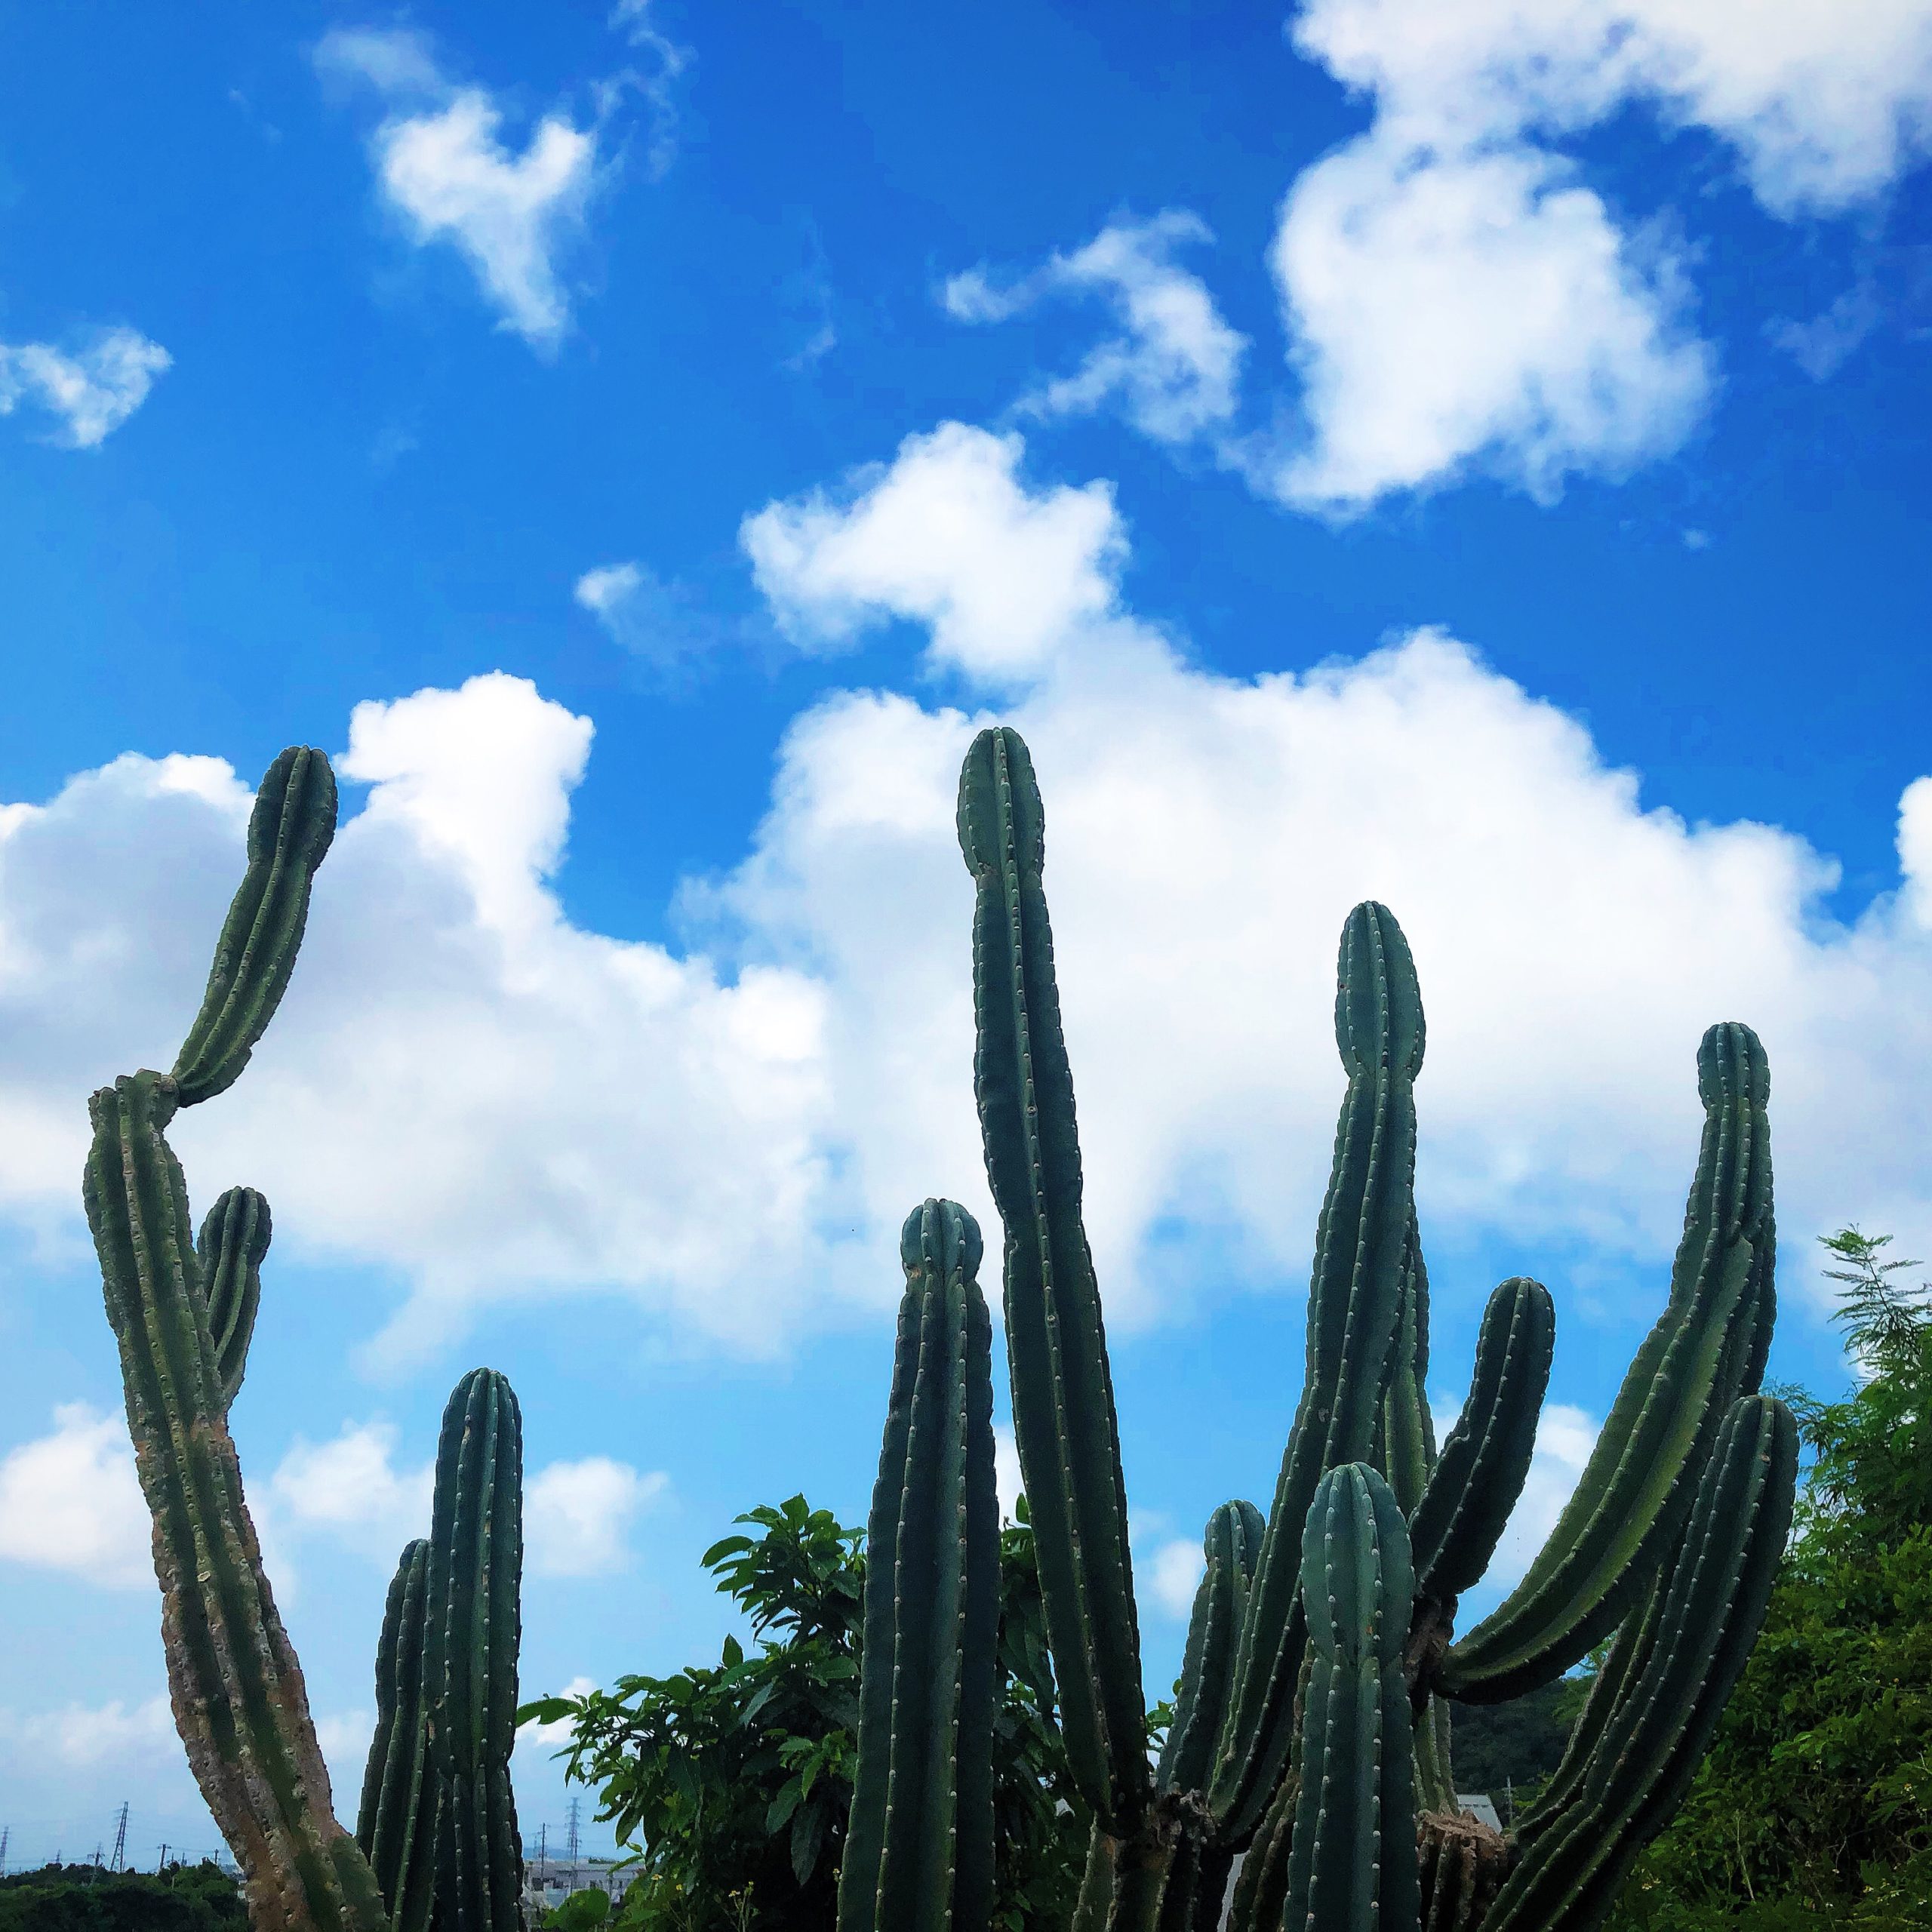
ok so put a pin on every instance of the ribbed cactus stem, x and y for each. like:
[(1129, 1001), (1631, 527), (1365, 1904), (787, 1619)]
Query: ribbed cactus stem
[(239, 1700), (1352, 1864), (289, 833), (1464, 1507), (1366, 1251), (1405, 1448), (475, 1568), (1063, 1417), (919, 1849), (234, 1240), (1261, 1885), (1628, 1507), (1230, 1545), (1673, 1687), (396, 1826)]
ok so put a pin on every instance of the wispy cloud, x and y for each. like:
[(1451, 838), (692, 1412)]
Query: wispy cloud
[(443, 168), (1173, 367), (90, 390)]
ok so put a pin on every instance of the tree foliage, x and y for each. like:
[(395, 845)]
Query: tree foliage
[(733, 1782), (82, 1898), (1507, 1749)]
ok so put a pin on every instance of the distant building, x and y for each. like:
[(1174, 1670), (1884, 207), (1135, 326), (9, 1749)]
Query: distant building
[(547, 1882), (1480, 1806)]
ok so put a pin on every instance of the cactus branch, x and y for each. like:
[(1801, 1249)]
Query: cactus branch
[(396, 1825), (239, 1700), (1366, 1254), (919, 1849), (234, 1239), (1064, 1417), (1667, 1697), (1637, 1487), (289, 833)]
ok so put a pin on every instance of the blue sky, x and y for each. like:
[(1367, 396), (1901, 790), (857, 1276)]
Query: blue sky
[(1469, 455)]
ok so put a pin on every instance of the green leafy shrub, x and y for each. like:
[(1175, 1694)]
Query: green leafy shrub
[(735, 1779)]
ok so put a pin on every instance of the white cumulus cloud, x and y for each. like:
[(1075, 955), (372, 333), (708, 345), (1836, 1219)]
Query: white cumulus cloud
[(1824, 105), (69, 1501), (1475, 310), (91, 389), (577, 1516), (1173, 367), (487, 1100), (1459, 299), (948, 536), (350, 1488), (1174, 1575), (445, 168)]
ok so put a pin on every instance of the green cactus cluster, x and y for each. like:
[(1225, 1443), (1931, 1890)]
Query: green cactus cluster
[(1305, 1781), (437, 1841), (1310, 1740)]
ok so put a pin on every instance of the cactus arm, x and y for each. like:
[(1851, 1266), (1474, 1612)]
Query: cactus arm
[(240, 1702), (1630, 1504), (1261, 1885), (1230, 1544), (1435, 1779), (234, 1239), (919, 1848), (1064, 1422), (475, 1567), (1365, 1248), (396, 1825), (1352, 1866), (289, 833), (1454, 1528), (1405, 1448), (1668, 1702)]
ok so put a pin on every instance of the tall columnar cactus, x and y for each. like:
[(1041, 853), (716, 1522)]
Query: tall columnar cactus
[(396, 1826), (1062, 1388), (1344, 1802), (919, 1848), (182, 1314), (472, 1628), (240, 1702), (1352, 1866)]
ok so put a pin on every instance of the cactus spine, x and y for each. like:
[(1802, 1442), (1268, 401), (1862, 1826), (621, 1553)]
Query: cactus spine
[(1311, 1721), (919, 1850), (239, 1700), (469, 1656)]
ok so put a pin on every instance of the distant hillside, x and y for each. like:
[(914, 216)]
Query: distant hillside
[(82, 1898)]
